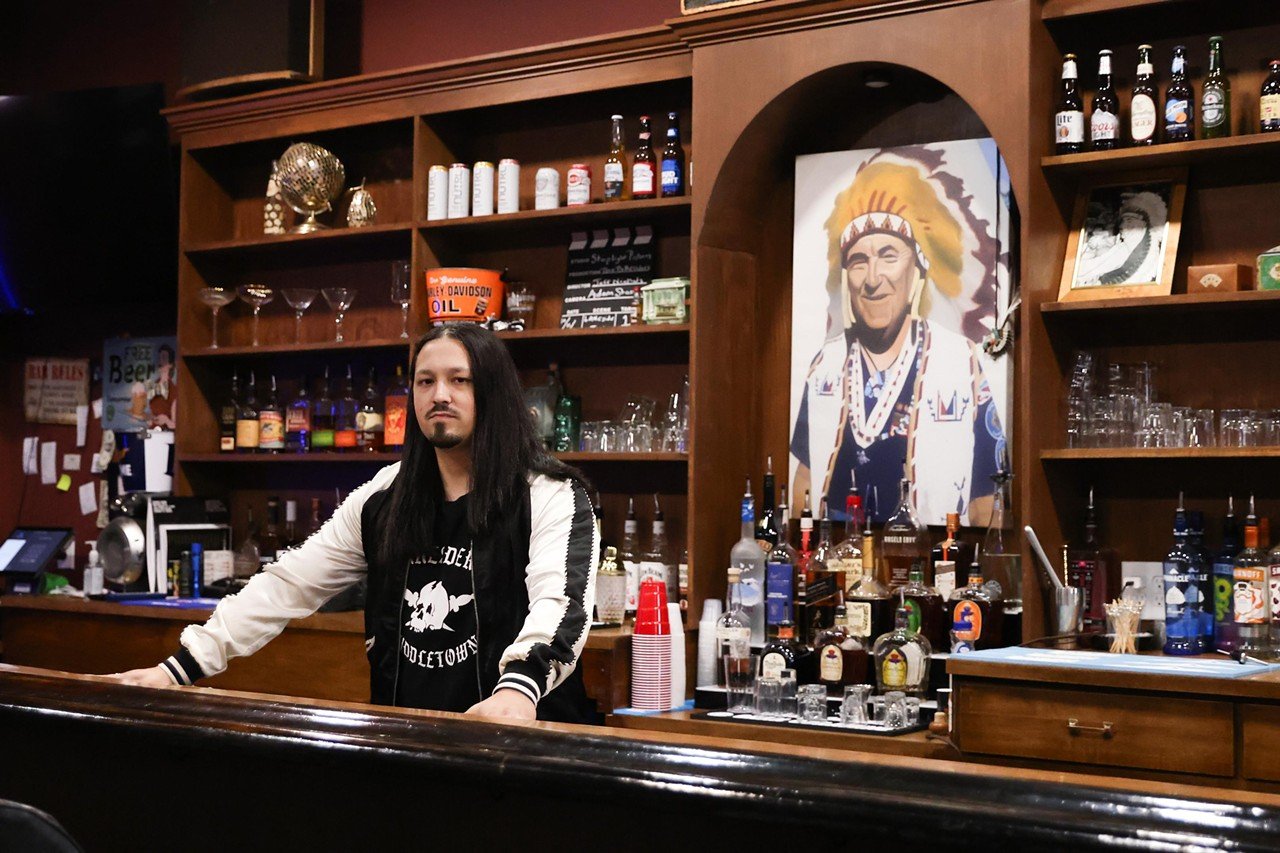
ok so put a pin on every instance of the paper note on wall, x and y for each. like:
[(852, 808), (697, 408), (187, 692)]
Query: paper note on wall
[(82, 424), (48, 462), (88, 499), (64, 483), (30, 455), (71, 462)]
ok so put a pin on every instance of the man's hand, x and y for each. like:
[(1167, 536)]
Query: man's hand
[(505, 704), (153, 676)]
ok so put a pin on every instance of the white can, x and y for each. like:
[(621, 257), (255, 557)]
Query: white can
[(438, 193), (482, 189), (546, 194), (508, 186), (459, 191), (578, 186)]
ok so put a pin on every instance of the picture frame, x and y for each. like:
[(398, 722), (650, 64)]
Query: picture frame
[(1124, 237)]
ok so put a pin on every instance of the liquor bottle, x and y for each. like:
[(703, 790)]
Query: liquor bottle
[(315, 523), (290, 538), (733, 634), (615, 165), (1095, 569), (747, 557), (902, 658), (271, 422), (396, 413), (1269, 107), (344, 416), (846, 557), (809, 627), (656, 561), (902, 541), (248, 557), (1273, 589), (975, 616), (779, 583), (369, 422), (297, 421), (926, 612), (247, 427), (611, 589), (869, 604), (227, 417), (1142, 106), (782, 517), (1203, 575), (824, 579), (1251, 592), (1002, 563), (766, 524), (630, 553), (1215, 95), (673, 159), (1226, 635), (1182, 603), (1104, 124), (1179, 101), (951, 550), (841, 657), (1069, 120), (269, 545), (783, 652), (322, 418), (643, 183)]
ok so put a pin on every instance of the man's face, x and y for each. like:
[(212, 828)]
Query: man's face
[(879, 269), (443, 395)]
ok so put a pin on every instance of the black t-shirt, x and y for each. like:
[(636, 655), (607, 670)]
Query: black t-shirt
[(439, 664)]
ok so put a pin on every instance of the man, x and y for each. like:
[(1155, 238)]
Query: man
[(895, 386), (478, 547)]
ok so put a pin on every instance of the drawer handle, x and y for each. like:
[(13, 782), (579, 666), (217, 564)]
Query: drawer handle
[(1106, 730)]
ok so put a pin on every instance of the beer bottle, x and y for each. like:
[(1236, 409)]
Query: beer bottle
[(1142, 107), (615, 166), (1104, 124), (673, 159), (1179, 103), (1215, 97), (642, 171), (1069, 121), (1270, 108)]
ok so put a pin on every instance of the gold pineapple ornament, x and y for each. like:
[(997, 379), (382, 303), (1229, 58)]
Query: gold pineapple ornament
[(361, 211)]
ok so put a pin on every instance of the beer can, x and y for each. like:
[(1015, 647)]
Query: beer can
[(482, 189), (459, 191), (508, 186), (546, 189), (437, 192), (578, 185)]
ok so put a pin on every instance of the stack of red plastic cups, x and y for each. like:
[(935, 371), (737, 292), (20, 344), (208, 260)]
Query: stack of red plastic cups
[(651, 650)]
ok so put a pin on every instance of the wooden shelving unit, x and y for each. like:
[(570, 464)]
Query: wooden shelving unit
[(639, 458), (314, 458), (304, 348), (639, 330), (1059, 10), (1254, 147), (265, 244), (1244, 301), (587, 215), (1160, 454)]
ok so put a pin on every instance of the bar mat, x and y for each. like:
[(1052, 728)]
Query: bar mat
[(832, 724)]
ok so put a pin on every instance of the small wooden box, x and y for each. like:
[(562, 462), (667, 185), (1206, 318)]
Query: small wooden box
[(1219, 278)]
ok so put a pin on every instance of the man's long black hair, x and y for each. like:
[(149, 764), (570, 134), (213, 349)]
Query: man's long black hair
[(505, 450)]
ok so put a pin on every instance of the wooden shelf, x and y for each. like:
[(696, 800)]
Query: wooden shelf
[(299, 349), (1235, 149), (587, 214), (330, 237), (1057, 10), (623, 457), (1079, 454), (1178, 303), (573, 334), (320, 458)]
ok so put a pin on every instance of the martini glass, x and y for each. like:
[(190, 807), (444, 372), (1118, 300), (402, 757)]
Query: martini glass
[(216, 298), (256, 295), (339, 299), (299, 299), (400, 293)]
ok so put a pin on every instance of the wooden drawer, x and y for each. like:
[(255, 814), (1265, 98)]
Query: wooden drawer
[(1089, 727), (1261, 725)]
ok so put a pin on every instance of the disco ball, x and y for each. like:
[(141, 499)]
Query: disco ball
[(310, 178)]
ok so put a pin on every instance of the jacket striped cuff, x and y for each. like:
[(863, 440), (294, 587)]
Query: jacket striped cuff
[(183, 669), (513, 679)]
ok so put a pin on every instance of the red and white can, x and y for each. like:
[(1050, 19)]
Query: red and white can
[(508, 186), (438, 193), (459, 191), (578, 185)]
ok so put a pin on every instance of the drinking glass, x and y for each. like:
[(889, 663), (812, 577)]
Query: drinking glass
[(769, 696), (216, 298), (671, 434), (400, 292), (811, 700), (339, 299), (1273, 428), (788, 678), (256, 295), (913, 710), (895, 709), (589, 437), (1231, 428), (299, 299), (853, 708), (1255, 428), (521, 303), (1200, 432), (739, 679)]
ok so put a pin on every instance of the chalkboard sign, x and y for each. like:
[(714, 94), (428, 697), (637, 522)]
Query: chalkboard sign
[(606, 271)]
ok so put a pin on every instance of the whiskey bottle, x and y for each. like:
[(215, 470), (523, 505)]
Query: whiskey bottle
[(315, 523), (846, 557), (1095, 570), (1215, 95), (783, 652), (396, 413), (247, 427), (269, 546), (656, 561), (630, 553), (227, 417), (975, 616), (643, 179), (271, 422), (615, 165), (926, 613), (733, 635), (902, 542), (1182, 603), (1142, 105), (841, 657), (902, 658), (297, 421), (344, 416), (369, 423), (869, 604), (322, 418), (1104, 124), (1179, 101), (747, 557), (1069, 120), (673, 159), (1269, 106), (951, 550), (1252, 609), (1226, 632), (290, 538), (766, 523), (824, 579)]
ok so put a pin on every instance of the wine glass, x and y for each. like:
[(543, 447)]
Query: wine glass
[(339, 299), (256, 295), (400, 289), (216, 298), (299, 299)]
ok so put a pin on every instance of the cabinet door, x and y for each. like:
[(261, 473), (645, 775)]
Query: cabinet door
[(1261, 725)]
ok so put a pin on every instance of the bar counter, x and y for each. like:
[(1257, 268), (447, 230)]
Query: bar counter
[(204, 769)]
